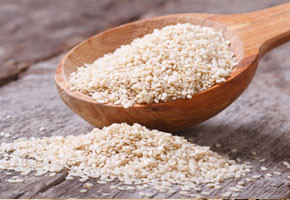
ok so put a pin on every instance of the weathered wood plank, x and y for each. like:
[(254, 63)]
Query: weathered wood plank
[(257, 121), (35, 30)]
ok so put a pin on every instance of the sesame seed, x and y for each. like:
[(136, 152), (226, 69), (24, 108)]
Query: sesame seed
[(83, 191), (205, 193), (234, 150), (263, 168), (235, 194), (248, 179), (269, 174), (218, 145), (253, 153), (262, 160), (256, 176), (52, 174), (42, 128), (234, 189), (227, 194), (277, 173), (7, 135)]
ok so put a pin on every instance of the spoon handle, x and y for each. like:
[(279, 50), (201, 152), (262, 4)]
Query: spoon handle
[(262, 30)]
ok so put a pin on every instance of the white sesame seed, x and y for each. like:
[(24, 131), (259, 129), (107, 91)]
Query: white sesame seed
[(227, 194), (69, 178), (83, 191), (218, 145), (42, 128), (148, 194), (248, 179), (7, 135), (234, 150), (234, 189), (241, 182), (52, 174), (253, 153), (263, 168), (235, 194), (112, 187), (101, 182), (277, 173), (269, 174), (262, 160), (205, 193), (88, 185), (256, 176)]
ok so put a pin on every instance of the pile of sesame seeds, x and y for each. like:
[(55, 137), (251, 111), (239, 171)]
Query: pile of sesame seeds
[(168, 64), (134, 155)]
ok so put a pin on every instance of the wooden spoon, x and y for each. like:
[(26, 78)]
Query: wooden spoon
[(251, 35)]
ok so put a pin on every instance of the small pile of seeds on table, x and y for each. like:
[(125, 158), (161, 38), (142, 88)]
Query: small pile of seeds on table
[(168, 64), (135, 155)]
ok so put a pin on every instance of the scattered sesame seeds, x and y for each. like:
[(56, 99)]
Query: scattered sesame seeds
[(263, 168)]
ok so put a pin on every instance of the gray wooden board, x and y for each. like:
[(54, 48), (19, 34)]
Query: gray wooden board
[(258, 121)]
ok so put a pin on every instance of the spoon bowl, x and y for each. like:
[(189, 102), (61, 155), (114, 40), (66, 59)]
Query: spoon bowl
[(241, 30)]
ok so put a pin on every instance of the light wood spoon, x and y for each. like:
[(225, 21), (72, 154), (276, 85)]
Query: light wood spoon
[(251, 35)]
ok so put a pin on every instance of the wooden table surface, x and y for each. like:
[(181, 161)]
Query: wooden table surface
[(35, 34)]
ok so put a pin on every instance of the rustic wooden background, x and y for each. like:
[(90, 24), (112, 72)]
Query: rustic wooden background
[(35, 34)]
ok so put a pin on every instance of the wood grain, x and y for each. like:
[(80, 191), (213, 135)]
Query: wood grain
[(247, 42), (257, 121)]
